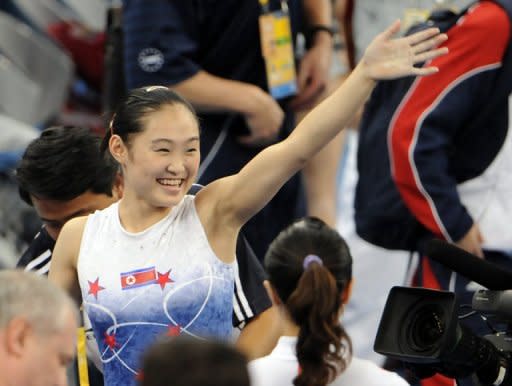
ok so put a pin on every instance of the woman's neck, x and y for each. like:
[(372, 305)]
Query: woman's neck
[(136, 215), (289, 327)]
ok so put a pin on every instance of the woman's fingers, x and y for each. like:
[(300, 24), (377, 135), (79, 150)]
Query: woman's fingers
[(423, 57), (421, 36), (424, 71), (428, 44), (391, 30), (389, 58)]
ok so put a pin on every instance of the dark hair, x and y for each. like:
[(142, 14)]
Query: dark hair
[(63, 163), (311, 293), (185, 361), (130, 113)]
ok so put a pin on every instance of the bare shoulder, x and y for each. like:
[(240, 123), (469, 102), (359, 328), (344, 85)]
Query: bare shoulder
[(65, 256), (67, 246), (72, 231)]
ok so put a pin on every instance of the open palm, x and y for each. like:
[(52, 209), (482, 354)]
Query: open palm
[(388, 58)]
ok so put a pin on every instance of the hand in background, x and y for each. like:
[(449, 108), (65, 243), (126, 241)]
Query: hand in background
[(264, 119), (472, 241), (313, 75)]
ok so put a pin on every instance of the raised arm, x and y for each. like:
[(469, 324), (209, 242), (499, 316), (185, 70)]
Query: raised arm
[(240, 196), (65, 255)]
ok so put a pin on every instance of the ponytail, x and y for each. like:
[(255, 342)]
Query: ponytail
[(323, 346), (310, 266)]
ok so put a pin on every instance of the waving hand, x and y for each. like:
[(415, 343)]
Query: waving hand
[(388, 58)]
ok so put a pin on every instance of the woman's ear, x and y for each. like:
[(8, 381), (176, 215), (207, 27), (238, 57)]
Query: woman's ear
[(117, 148), (272, 294), (345, 295)]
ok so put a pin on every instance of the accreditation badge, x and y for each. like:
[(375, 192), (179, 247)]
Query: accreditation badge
[(277, 51)]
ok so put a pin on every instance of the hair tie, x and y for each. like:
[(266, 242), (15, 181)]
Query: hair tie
[(311, 259)]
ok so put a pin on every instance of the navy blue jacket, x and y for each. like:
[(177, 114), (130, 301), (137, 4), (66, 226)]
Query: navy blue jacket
[(417, 137)]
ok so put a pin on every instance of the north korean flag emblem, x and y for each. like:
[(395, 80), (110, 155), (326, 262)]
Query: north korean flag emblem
[(138, 278)]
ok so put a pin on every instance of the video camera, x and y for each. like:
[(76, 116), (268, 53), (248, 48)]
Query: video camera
[(421, 326)]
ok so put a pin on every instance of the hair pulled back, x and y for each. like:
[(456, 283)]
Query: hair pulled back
[(311, 292), (128, 119)]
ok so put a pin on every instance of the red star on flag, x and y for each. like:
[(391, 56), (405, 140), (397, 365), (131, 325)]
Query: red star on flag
[(174, 331), (110, 340), (94, 287), (163, 279)]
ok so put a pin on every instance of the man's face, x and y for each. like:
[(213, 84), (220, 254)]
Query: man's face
[(55, 213), (46, 357)]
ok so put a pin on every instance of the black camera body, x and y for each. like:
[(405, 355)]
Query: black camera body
[(420, 327), (494, 304)]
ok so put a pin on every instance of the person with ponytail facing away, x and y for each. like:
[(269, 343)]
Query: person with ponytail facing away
[(310, 276)]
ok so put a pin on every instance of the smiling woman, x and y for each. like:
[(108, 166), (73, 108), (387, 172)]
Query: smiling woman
[(161, 162), (161, 261)]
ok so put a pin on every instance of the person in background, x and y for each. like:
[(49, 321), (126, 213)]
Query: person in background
[(208, 363), (444, 168), (310, 278), (38, 323), (63, 175), (361, 20)]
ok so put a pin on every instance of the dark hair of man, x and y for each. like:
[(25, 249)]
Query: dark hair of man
[(63, 163), (128, 118), (312, 295), (185, 361)]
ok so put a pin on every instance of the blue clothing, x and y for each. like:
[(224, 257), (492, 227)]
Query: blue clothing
[(221, 38), (137, 287), (433, 149), (440, 157)]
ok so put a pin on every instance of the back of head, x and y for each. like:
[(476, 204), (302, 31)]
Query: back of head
[(63, 163), (35, 299), (310, 267), (184, 361)]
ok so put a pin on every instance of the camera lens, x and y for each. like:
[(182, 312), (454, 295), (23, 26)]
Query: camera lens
[(426, 328)]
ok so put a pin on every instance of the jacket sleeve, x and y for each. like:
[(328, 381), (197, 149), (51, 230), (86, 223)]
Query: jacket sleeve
[(160, 42), (250, 297), (435, 110)]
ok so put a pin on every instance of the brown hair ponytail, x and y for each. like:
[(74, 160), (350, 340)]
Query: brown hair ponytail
[(323, 346), (310, 266)]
